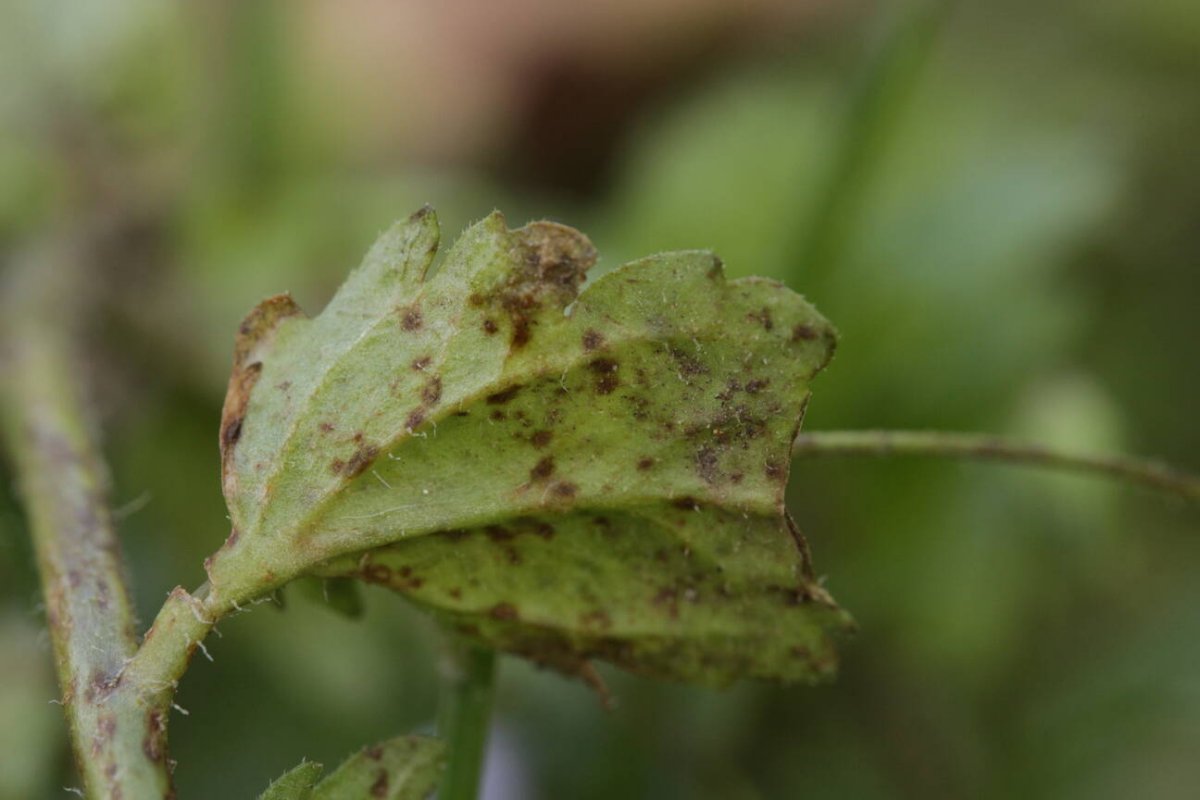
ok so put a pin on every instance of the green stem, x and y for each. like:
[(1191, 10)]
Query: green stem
[(873, 111), (980, 447), (468, 678), (117, 737)]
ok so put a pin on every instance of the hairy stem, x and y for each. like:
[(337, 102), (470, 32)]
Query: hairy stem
[(980, 447), (117, 737), (464, 715)]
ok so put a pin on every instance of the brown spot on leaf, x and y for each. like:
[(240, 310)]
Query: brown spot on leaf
[(431, 392), (326, 427), (374, 752), (380, 787), (503, 611), (773, 470), (756, 386), (421, 363), (686, 363), (498, 533), (605, 370), (154, 740), (540, 439), (521, 333), (706, 464), (376, 573), (415, 419), (489, 326), (232, 432), (543, 469), (411, 319), (503, 396), (358, 463), (644, 463), (592, 339), (686, 503), (564, 489), (762, 317), (802, 331)]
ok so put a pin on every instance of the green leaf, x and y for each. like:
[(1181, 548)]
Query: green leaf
[(404, 768), (558, 474), (295, 784)]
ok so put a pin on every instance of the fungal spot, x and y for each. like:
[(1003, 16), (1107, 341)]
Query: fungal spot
[(687, 364), (804, 332), (521, 333), (152, 744), (756, 386), (540, 439), (503, 611), (411, 319), (363, 457), (592, 339), (421, 363), (374, 752), (380, 787), (564, 489), (706, 464), (490, 327), (498, 533), (544, 530), (773, 470), (543, 469), (502, 397), (644, 463), (232, 432), (605, 370), (762, 317), (415, 419), (326, 427), (686, 503), (376, 573), (498, 416), (431, 392)]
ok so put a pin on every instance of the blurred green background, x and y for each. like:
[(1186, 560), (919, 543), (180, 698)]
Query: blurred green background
[(997, 203)]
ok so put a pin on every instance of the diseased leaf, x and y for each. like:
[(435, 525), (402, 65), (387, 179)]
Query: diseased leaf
[(558, 474), (404, 768), (295, 784)]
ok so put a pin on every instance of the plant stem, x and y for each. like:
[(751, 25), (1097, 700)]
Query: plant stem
[(874, 108), (464, 716), (117, 739), (981, 447)]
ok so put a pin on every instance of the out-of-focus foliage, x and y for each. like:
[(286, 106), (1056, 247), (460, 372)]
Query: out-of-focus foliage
[(1021, 257)]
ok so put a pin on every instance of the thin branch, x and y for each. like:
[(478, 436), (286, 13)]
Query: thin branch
[(117, 742), (979, 447)]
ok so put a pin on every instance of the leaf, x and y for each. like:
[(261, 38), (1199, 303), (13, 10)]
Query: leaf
[(295, 784), (404, 768), (560, 475)]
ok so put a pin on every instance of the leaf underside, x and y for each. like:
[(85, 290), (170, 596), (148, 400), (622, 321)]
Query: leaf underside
[(559, 474)]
